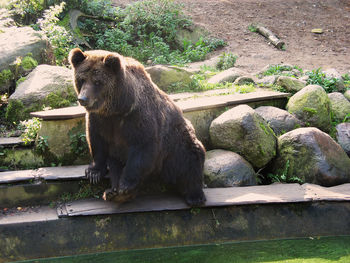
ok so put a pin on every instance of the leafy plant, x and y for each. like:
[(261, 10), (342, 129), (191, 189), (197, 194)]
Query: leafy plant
[(59, 37), (31, 128), (26, 12), (317, 77), (283, 177), (281, 70), (226, 61), (78, 142)]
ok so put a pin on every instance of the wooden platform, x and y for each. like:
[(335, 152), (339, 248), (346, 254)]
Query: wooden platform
[(8, 142), (216, 197), (45, 173), (187, 102)]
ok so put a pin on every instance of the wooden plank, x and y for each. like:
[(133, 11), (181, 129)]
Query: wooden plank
[(10, 141), (187, 104), (62, 173), (278, 193), (46, 173), (335, 193)]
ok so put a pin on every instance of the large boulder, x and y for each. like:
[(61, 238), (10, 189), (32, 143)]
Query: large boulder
[(311, 105), (340, 106), (313, 156), (228, 75), (280, 121), (17, 43), (343, 136), (41, 82), (243, 131), (290, 84), (226, 169), (167, 76)]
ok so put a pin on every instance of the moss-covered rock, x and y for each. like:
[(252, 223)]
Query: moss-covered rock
[(347, 95), (165, 76), (313, 156), (290, 84), (243, 131), (279, 120), (46, 86), (312, 106), (340, 106)]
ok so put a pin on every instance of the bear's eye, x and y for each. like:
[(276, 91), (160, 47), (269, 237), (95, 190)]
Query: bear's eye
[(97, 83)]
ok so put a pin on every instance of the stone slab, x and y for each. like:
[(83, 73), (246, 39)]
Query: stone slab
[(46, 173), (61, 114), (187, 104)]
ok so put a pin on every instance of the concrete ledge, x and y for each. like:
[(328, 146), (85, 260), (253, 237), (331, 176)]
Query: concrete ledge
[(39, 234)]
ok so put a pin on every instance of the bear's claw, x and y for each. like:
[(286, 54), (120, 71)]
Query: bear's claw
[(115, 196), (93, 175)]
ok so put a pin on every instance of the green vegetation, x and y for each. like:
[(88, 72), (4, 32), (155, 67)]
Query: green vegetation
[(284, 70), (146, 30), (30, 130), (282, 177), (226, 61), (317, 77), (78, 143), (311, 250)]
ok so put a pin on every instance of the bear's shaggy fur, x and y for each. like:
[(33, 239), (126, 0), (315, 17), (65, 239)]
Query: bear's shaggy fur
[(134, 130)]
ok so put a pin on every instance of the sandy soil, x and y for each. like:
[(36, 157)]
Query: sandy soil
[(291, 20)]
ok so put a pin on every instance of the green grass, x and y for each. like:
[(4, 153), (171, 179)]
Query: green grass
[(318, 250)]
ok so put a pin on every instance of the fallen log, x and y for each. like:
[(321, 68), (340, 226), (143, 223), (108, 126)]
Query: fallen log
[(269, 35)]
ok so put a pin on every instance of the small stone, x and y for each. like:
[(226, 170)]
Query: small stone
[(317, 30)]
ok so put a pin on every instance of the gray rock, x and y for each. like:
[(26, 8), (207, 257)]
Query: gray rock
[(268, 80), (243, 80), (347, 95), (228, 75), (226, 169), (280, 121), (340, 106), (18, 42), (313, 156), (290, 84), (165, 76), (243, 131), (333, 73), (343, 136), (311, 105), (42, 81), (304, 78)]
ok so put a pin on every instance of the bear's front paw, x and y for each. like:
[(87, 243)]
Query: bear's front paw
[(113, 195), (195, 199), (94, 175)]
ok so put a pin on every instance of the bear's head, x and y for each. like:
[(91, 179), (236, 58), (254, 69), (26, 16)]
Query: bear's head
[(96, 77)]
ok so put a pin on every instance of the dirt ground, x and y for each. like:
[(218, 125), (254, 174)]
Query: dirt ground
[(291, 20)]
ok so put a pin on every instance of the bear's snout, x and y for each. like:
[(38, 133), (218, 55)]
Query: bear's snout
[(83, 100)]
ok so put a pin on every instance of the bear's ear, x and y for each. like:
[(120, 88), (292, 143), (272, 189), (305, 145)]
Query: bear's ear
[(113, 62), (76, 56)]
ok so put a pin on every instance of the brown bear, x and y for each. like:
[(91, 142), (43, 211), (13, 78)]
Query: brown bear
[(134, 130)]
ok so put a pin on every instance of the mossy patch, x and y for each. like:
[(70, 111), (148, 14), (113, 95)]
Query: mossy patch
[(28, 63), (6, 76)]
